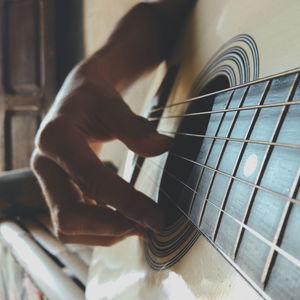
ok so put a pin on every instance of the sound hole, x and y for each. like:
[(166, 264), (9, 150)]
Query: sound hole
[(180, 178), (176, 189)]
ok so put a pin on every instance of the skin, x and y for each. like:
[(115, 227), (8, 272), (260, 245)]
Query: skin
[(89, 111)]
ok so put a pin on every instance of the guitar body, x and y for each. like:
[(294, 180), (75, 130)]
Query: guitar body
[(225, 44)]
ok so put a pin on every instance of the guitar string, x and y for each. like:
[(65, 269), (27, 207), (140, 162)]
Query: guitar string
[(280, 231), (272, 253), (240, 156), (265, 160), (294, 146), (213, 142), (281, 251), (272, 245), (251, 107), (206, 96), (243, 141), (282, 196), (219, 157), (227, 257)]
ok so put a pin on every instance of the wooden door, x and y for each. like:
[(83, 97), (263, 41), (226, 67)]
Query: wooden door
[(27, 75)]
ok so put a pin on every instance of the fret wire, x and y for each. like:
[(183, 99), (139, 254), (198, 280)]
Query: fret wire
[(204, 97), (294, 146), (288, 205), (239, 269), (209, 151), (264, 165), (295, 201), (240, 157), (221, 153), (281, 251), (227, 257), (295, 102), (280, 231)]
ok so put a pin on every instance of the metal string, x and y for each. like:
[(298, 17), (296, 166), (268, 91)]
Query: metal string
[(295, 102), (207, 96), (295, 201), (294, 146), (281, 251)]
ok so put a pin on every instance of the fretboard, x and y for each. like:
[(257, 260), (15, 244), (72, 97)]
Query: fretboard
[(234, 172)]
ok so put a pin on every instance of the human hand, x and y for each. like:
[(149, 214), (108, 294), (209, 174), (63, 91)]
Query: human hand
[(79, 189)]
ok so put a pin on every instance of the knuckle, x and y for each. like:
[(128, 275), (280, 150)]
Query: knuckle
[(37, 161), (61, 220), (91, 186), (47, 136)]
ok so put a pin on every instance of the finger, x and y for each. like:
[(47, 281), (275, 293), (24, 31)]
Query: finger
[(93, 240), (90, 240), (135, 131), (94, 220), (139, 135), (93, 178), (111, 116), (69, 214)]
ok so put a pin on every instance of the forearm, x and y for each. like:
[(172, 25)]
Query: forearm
[(140, 41)]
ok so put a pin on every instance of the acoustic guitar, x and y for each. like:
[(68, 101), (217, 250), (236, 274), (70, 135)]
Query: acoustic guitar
[(230, 183)]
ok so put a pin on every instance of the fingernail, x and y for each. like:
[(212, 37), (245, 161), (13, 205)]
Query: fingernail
[(163, 141), (161, 137)]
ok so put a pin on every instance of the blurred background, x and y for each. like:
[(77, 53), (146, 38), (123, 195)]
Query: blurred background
[(41, 40)]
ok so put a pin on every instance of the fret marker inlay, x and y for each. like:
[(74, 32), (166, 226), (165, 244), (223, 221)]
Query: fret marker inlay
[(250, 165)]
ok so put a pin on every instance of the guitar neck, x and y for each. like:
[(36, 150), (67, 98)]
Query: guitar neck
[(233, 172)]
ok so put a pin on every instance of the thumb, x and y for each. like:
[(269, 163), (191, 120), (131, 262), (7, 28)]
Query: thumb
[(136, 132), (140, 136)]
